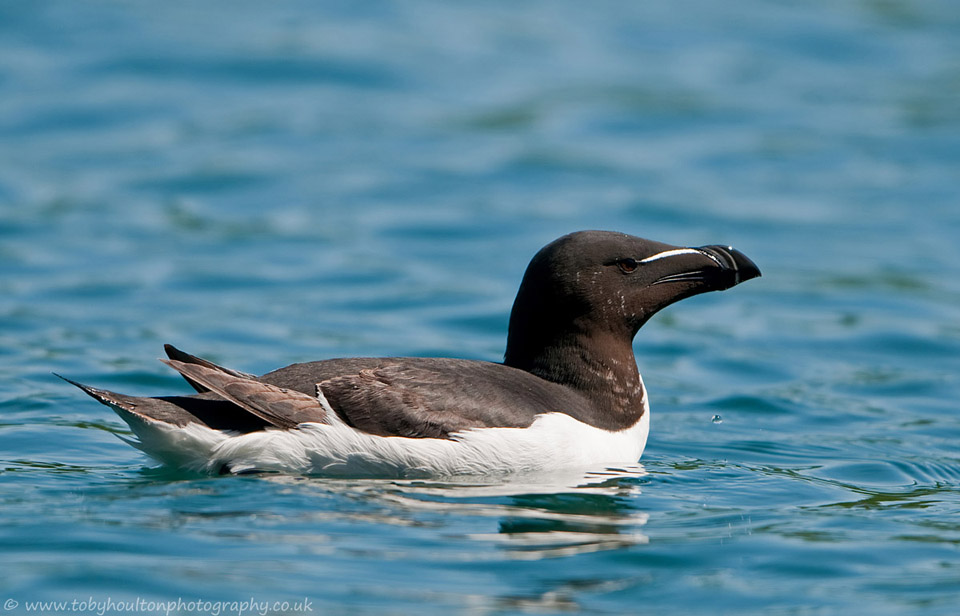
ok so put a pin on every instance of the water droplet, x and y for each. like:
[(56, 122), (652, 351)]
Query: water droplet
[(717, 419)]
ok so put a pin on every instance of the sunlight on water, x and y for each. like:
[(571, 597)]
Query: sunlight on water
[(262, 186)]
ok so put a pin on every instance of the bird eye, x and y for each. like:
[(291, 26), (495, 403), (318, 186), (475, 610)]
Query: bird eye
[(627, 265)]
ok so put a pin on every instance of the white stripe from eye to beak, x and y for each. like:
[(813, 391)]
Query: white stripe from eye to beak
[(674, 253)]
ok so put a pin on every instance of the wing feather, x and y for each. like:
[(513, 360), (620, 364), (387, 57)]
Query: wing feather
[(431, 401), (182, 356), (282, 408)]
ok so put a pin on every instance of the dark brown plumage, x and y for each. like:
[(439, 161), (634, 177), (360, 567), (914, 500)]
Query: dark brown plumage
[(569, 350)]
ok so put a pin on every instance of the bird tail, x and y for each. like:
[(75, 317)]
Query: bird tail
[(189, 447)]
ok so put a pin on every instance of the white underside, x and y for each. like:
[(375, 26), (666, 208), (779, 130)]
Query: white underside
[(554, 441)]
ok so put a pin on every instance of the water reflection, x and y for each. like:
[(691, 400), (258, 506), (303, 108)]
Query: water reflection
[(541, 515)]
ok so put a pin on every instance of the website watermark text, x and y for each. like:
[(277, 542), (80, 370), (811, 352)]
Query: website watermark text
[(167, 607)]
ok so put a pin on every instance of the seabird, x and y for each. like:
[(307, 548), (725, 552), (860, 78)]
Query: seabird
[(568, 393)]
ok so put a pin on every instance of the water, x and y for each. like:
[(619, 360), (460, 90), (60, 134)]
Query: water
[(268, 184)]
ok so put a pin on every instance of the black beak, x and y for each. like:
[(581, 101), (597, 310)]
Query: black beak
[(735, 267)]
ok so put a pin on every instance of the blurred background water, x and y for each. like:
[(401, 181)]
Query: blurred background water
[(265, 183)]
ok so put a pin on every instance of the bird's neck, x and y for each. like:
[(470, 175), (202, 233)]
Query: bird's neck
[(601, 367)]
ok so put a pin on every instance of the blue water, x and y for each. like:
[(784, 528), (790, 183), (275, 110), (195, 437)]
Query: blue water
[(265, 183)]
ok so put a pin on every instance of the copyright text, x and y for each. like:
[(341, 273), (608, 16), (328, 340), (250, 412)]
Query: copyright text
[(169, 607)]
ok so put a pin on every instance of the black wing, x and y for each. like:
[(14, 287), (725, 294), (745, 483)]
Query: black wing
[(177, 355), (432, 398), (410, 397), (280, 407)]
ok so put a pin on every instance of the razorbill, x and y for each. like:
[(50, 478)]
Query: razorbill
[(568, 393)]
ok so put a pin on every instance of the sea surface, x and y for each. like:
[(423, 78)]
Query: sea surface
[(265, 183)]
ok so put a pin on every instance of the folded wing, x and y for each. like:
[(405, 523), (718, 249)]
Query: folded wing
[(433, 399), (280, 407)]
